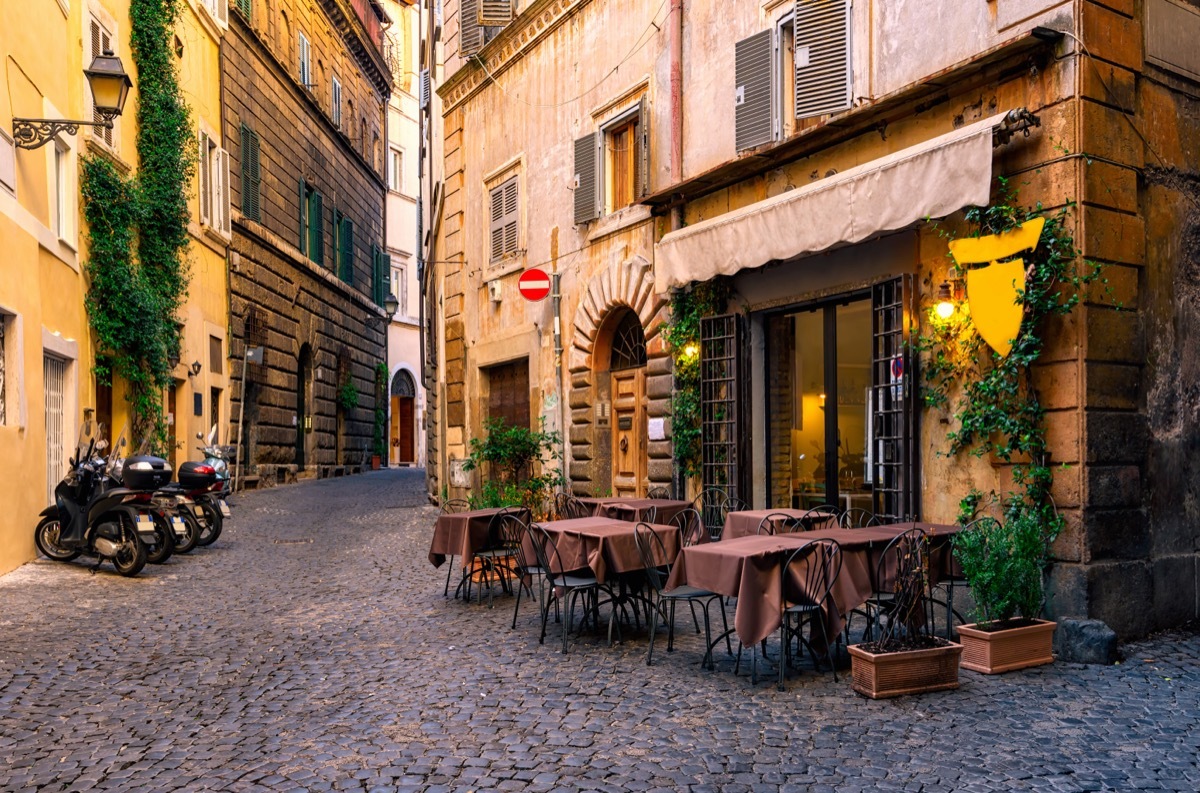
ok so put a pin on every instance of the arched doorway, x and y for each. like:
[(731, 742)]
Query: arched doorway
[(404, 411), (303, 401), (622, 348)]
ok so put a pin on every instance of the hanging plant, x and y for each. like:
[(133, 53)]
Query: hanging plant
[(347, 395), (133, 303), (379, 441)]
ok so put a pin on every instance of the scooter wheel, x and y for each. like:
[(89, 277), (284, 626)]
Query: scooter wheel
[(192, 535), (45, 537), (164, 541), (210, 524)]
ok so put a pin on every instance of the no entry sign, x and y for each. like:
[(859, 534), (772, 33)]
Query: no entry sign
[(534, 285)]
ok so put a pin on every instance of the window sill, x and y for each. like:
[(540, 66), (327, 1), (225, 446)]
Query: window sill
[(618, 221), (506, 266)]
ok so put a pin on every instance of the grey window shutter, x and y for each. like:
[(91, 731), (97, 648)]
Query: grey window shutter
[(496, 224), (495, 12), (303, 217), (425, 89), (754, 75), (822, 57), (587, 178), (470, 32), (643, 143), (511, 216)]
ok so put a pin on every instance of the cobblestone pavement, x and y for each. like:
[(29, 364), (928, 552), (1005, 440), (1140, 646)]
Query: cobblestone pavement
[(311, 649)]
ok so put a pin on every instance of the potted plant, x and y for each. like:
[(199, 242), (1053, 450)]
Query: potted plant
[(1004, 565), (379, 440), (906, 658)]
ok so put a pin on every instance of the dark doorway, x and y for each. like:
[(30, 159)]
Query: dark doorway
[(303, 399), (403, 418)]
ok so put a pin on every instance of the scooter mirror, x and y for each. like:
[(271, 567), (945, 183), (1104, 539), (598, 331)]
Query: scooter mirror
[(199, 436), (101, 445)]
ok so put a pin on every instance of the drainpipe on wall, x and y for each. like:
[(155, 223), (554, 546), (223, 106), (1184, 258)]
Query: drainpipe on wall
[(678, 485), (556, 300)]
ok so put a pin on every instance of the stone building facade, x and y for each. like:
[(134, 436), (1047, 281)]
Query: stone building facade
[(798, 149), (305, 94)]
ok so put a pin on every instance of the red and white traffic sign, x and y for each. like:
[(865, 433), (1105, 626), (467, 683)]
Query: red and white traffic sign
[(534, 285)]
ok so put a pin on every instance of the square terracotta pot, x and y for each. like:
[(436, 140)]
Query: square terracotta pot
[(993, 652), (909, 672)]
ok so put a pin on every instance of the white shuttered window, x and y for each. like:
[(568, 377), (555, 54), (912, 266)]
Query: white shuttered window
[(754, 72), (505, 217), (495, 12), (101, 39), (822, 36), (305, 61)]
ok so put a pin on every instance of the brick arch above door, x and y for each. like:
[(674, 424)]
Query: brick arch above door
[(624, 284)]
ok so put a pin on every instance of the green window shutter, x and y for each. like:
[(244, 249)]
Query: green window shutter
[(255, 179), (375, 272), (346, 254), (244, 135), (303, 204), (385, 277), (245, 6), (316, 219)]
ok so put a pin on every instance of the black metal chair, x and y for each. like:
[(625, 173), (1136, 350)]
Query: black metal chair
[(778, 523), (708, 504), (900, 605), (528, 569), (449, 507), (650, 514), (499, 556), (806, 585), (659, 493), (560, 587), (648, 542), (567, 506), (690, 524), (857, 518)]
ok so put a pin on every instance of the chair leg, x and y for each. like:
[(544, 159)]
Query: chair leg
[(695, 622), (671, 628), (784, 649), (449, 567), (653, 618), (517, 607)]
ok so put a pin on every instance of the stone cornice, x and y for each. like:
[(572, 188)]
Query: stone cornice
[(347, 23), (517, 38)]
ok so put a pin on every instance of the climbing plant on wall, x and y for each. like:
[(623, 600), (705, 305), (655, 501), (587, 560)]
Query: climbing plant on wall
[(682, 334), (133, 303)]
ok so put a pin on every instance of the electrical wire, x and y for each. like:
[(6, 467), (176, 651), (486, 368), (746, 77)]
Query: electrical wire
[(636, 47)]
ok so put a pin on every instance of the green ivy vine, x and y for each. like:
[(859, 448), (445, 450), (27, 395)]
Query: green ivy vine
[(379, 441), (132, 304), (992, 401), (682, 334)]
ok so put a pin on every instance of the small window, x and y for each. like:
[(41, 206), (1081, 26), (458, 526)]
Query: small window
[(504, 213), (219, 10), (102, 39), (312, 239), (336, 103), (305, 55), (396, 170), (621, 171), (400, 289), (612, 166), (251, 176), (8, 163), (4, 323), (61, 210), (216, 355)]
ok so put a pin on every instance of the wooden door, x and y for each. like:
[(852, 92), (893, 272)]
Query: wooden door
[(629, 432), (402, 430)]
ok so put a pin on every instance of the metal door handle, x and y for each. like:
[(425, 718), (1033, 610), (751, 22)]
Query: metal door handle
[(624, 444)]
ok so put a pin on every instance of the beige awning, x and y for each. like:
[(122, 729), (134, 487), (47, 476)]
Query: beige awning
[(932, 179)]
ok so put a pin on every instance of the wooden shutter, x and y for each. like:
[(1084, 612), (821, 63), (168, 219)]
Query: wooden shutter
[(470, 33), (425, 89), (223, 11), (221, 200), (346, 254), (587, 178), (643, 152), (511, 215), (894, 386), (250, 174), (303, 217), (822, 36), (316, 224), (504, 218), (205, 188), (495, 12), (754, 75), (99, 41)]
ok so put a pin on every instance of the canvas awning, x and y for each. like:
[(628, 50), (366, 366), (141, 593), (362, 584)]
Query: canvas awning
[(931, 179)]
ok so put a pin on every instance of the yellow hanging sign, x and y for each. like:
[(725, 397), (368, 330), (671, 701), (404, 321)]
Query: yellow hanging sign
[(992, 290)]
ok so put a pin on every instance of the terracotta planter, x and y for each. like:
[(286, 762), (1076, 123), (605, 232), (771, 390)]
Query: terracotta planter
[(909, 672), (375, 462), (993, 652)]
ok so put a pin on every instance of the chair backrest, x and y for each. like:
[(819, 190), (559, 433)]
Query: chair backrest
[(809, 573), (708, 504), (659, 493), (648, 542), (452, 505), (902, 581), (650, 514), (732, 504), (858, 518), (567, 506), (502, 526), (545, 550), (776, 523), (691, 526)]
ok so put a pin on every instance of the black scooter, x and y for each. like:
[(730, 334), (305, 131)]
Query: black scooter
[(92, 520)]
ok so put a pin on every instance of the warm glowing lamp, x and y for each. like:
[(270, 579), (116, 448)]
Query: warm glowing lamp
[(691, 351), (945, 304)]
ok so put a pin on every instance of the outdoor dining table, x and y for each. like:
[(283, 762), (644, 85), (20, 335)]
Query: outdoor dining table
[(748, 568), (605, 546), (744, 523), (462, 534), (636, 509)]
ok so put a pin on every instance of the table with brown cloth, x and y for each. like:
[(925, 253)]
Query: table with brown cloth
[(748, 568), (744, 523), (462, 534), (605, 546), (635, 509)]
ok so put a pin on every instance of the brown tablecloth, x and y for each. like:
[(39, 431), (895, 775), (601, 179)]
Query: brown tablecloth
[(745, 523), (460, 534), (603, 545), (748, 568), (636, 509)]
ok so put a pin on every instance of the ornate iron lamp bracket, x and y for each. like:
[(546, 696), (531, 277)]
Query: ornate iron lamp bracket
[(31, 133)]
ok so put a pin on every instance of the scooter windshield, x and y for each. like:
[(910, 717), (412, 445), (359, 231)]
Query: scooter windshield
[(89, 434)]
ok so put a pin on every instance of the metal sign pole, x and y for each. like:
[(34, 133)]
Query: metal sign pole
[(241, 416)]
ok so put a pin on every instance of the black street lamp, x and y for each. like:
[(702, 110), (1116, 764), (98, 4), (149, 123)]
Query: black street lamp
[(110, 88)]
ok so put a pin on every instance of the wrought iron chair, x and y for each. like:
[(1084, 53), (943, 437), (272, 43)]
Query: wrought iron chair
[(560, 587), (857, 518), (805, 590), (650, 514), (778, 523), (567, 506), (528, 569), (499, 556), (648, 542), (708, 504), (659, 493), (690, 524), (449, 507), (901, 606)]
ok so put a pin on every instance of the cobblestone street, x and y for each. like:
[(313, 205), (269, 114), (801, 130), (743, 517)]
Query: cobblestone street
[(311, 649)]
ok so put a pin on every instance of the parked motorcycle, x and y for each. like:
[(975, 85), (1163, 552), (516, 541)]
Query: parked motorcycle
[(91, 519), (155, 529), (165, 521), (185, 501), (212, 506)]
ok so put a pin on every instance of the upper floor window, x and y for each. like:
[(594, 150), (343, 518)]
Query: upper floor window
[(219, 9), (62, 203), (213, 173), (400, 289), (479, 21), (343, 246), (395, 170), (304, 51), (505, 218), (312, 238), (102, 38), (251, 176), (244, 6), (612, 166), (335, 103)]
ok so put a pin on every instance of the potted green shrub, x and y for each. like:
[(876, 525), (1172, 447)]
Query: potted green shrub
[(907, 657), (1004, 564), (517, 458)]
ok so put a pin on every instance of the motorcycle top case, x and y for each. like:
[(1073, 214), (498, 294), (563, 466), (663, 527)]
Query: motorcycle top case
[(152, 478), (194, 476)]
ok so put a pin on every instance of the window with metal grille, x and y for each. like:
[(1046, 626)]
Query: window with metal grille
[(893, 402), (629, 344), (503, 228), (251, 176), (403, 385), (722, 371)]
